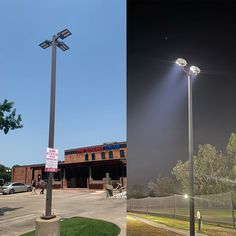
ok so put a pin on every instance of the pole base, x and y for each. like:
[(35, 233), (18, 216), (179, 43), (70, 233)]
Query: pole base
[(47, 227), (48, 217)]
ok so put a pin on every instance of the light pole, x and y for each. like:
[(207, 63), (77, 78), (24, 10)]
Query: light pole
[(192, 71), (55, 42)]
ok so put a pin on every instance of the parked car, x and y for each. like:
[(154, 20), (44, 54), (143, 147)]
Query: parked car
[(15, 187)]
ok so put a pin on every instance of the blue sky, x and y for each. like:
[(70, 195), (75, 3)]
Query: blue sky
[(91, 76)]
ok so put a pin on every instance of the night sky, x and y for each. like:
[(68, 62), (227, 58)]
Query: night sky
[(202, 32)]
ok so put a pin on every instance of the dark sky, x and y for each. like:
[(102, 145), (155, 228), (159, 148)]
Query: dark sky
[(202, 32)]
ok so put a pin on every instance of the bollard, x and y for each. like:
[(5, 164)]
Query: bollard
[(200, 223), (199, 220)]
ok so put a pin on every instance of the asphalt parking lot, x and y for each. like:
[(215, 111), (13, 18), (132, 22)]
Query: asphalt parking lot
[(19, 211)]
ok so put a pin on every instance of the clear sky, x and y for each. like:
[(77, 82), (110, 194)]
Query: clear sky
[(91, 76)]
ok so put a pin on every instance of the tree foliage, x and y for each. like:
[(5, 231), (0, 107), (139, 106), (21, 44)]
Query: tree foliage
[(4, 174), (137, 191), (214, 172), (231, 155), (164, 186), (8, 118), (211, 171)]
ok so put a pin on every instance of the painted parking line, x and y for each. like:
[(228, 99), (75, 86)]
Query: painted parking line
[(79, 196), (16, 218), (98, 192)]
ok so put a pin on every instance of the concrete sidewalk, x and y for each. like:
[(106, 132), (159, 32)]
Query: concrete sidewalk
[(19, 211), (162, 226)]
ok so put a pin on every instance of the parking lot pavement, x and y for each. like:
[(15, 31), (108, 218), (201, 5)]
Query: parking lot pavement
[(19, 211)]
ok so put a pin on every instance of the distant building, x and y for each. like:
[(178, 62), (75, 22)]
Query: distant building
[(82, 168)]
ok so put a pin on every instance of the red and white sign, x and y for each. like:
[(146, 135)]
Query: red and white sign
[(51, 160)]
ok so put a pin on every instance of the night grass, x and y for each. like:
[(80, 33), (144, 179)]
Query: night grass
[(215, 216), (210, 230), (138, 228), (78, 226)]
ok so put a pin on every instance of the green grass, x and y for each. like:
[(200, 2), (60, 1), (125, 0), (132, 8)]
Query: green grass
[(78, 226), (183, 224)]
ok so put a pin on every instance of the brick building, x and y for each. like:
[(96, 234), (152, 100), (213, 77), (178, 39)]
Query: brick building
[(82, 167)]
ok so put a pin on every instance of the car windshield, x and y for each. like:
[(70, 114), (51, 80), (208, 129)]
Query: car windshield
[(7, 184)]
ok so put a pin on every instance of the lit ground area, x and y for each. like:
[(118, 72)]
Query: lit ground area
[(210, 230), (136, 227), (19, 211)]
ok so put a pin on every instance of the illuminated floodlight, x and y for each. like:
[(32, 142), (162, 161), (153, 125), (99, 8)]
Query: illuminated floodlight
[(185, 196), (45, 44), (64, 33), (181, 62), (194, 70)]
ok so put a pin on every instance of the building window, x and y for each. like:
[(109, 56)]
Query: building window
[(57, 176), (111, 154), (86, 157), (93, 156), (103, 155), (122, 153)]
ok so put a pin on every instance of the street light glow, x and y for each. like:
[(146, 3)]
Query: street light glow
[(185, 196), (195, 70), (181, 62)]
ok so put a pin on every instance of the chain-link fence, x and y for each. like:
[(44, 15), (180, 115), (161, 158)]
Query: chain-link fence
[(214, 208)]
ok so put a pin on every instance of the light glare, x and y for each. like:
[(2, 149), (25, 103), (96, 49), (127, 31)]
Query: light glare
[(195, 70), (181, 62)]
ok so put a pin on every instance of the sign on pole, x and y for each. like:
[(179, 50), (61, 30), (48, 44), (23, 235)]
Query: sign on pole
[(51, 160)]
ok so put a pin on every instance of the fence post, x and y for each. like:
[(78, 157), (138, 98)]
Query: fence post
[(147, 205), (232, 204), (174, 206)]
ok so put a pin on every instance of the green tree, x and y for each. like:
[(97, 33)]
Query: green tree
[(137, 191), (231, 155), (8, 118), (181, 173), (4, 174), (210, 171), (164, 186)]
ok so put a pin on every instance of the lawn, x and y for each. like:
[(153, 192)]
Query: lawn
[(78, 226), (182, 224), (217, 216), (138, 228)]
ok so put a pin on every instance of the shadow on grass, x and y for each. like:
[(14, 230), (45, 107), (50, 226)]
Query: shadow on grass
[(85, 227)]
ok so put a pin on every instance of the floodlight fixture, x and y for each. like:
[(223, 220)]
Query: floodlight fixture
[(194, 70), (64, 33), (45, 44), (181, 62), (62, 46)]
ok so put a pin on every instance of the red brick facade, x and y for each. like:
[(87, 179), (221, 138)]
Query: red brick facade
[(82, 167)]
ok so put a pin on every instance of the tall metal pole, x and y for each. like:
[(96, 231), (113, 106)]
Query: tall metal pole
[(190, 143), (48, 212)]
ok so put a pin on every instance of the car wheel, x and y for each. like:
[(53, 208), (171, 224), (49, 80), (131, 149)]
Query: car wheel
[(12, 191), (29, 189)]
